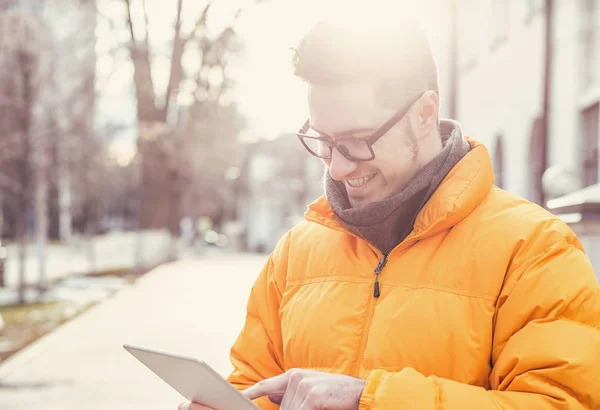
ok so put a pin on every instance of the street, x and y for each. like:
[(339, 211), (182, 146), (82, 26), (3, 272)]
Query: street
[(191, 307)]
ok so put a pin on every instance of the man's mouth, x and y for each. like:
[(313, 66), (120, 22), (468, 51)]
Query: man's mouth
[(358, 182)]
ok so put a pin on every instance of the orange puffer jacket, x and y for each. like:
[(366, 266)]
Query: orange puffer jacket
[(490, 303)]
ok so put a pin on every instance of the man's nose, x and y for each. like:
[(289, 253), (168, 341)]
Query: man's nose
[(339, 166)]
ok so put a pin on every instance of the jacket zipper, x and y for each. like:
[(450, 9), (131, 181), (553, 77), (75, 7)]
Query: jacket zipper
[(363, 343), (383, 259), (378, 269), (370, 312)]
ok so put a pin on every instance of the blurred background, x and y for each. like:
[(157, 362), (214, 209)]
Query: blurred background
[(137, 134)]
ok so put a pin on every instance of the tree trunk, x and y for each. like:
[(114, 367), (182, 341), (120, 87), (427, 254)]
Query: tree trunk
[(24, 171), (177, 54), (157, 211), (22, 259), (144, 87), (89, 231), (41, 215), (173, 216), (65, 198), (91, 249), (41, 83), (2, 261)]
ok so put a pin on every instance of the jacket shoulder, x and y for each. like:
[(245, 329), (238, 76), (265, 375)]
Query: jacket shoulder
[(529, 226)]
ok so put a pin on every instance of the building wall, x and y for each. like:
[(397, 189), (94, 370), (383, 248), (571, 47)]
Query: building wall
[(500, 91), (436, 18), (571, 93), (564, 147), (500, 82)]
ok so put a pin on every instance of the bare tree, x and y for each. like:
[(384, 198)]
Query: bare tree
[(25, 123), (73, 26), (213, 49), (205, 85)]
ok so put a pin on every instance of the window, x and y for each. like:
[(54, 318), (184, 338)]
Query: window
[(499, 161), (589, 144), (499, 22), (589, 43)]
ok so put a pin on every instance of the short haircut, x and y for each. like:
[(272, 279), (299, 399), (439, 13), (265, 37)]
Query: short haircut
[(396, 56)]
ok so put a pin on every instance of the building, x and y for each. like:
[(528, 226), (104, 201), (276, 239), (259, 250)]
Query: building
[(518, 64), (524, 79)]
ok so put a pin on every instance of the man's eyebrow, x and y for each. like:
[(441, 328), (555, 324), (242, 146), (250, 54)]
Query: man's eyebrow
[(352, 131)]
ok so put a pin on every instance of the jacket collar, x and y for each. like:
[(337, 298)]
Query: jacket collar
[(461, 191)]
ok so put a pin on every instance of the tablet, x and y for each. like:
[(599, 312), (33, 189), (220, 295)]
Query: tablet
[(193, 379)]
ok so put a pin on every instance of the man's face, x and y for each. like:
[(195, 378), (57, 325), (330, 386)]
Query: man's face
[(353, 110)]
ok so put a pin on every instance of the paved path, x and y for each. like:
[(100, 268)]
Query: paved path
[(192, 307), (111, 251)]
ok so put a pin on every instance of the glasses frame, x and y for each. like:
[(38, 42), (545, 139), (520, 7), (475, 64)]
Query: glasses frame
[(369, 141)]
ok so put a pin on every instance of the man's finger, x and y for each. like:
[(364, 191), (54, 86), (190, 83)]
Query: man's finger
[(192, 406), (275, 386), (276, 398)]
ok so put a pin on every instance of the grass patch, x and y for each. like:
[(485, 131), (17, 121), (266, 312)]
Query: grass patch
[(18, 313), (127, 273), (23, 324), (111, 272)]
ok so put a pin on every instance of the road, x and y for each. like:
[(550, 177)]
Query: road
[(191, 307)]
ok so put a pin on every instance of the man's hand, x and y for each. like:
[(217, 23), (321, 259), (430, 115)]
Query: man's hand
[(308, 389), (192, 406)]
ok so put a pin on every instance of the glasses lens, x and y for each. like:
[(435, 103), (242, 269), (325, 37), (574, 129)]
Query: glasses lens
[(355, 149), (317, 147)]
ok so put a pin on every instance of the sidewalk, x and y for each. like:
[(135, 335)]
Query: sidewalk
[(123, 250), (193, 307), (110, 251)]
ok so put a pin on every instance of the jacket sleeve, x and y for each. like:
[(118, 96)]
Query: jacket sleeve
[(546, 349), (257, 353)]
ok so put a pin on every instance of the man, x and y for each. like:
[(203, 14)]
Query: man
[(414, 283)]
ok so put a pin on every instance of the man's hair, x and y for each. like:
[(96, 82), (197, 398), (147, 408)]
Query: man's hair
[(397, 57)]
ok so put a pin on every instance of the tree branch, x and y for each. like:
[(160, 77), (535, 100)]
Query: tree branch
[(130, 22), (218, 47), (175, 72), (147, 37), (201, 22)]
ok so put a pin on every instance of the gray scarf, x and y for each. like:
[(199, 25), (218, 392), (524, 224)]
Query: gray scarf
[(387, 223)]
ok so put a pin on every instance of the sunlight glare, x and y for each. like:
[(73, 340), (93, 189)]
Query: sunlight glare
[(270, 96), (122, 151)]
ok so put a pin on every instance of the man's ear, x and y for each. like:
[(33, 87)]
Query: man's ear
[(426, 113)]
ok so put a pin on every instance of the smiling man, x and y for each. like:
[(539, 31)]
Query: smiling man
[(414, 282)]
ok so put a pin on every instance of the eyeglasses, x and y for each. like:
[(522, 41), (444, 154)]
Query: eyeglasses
[(354, 149)]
